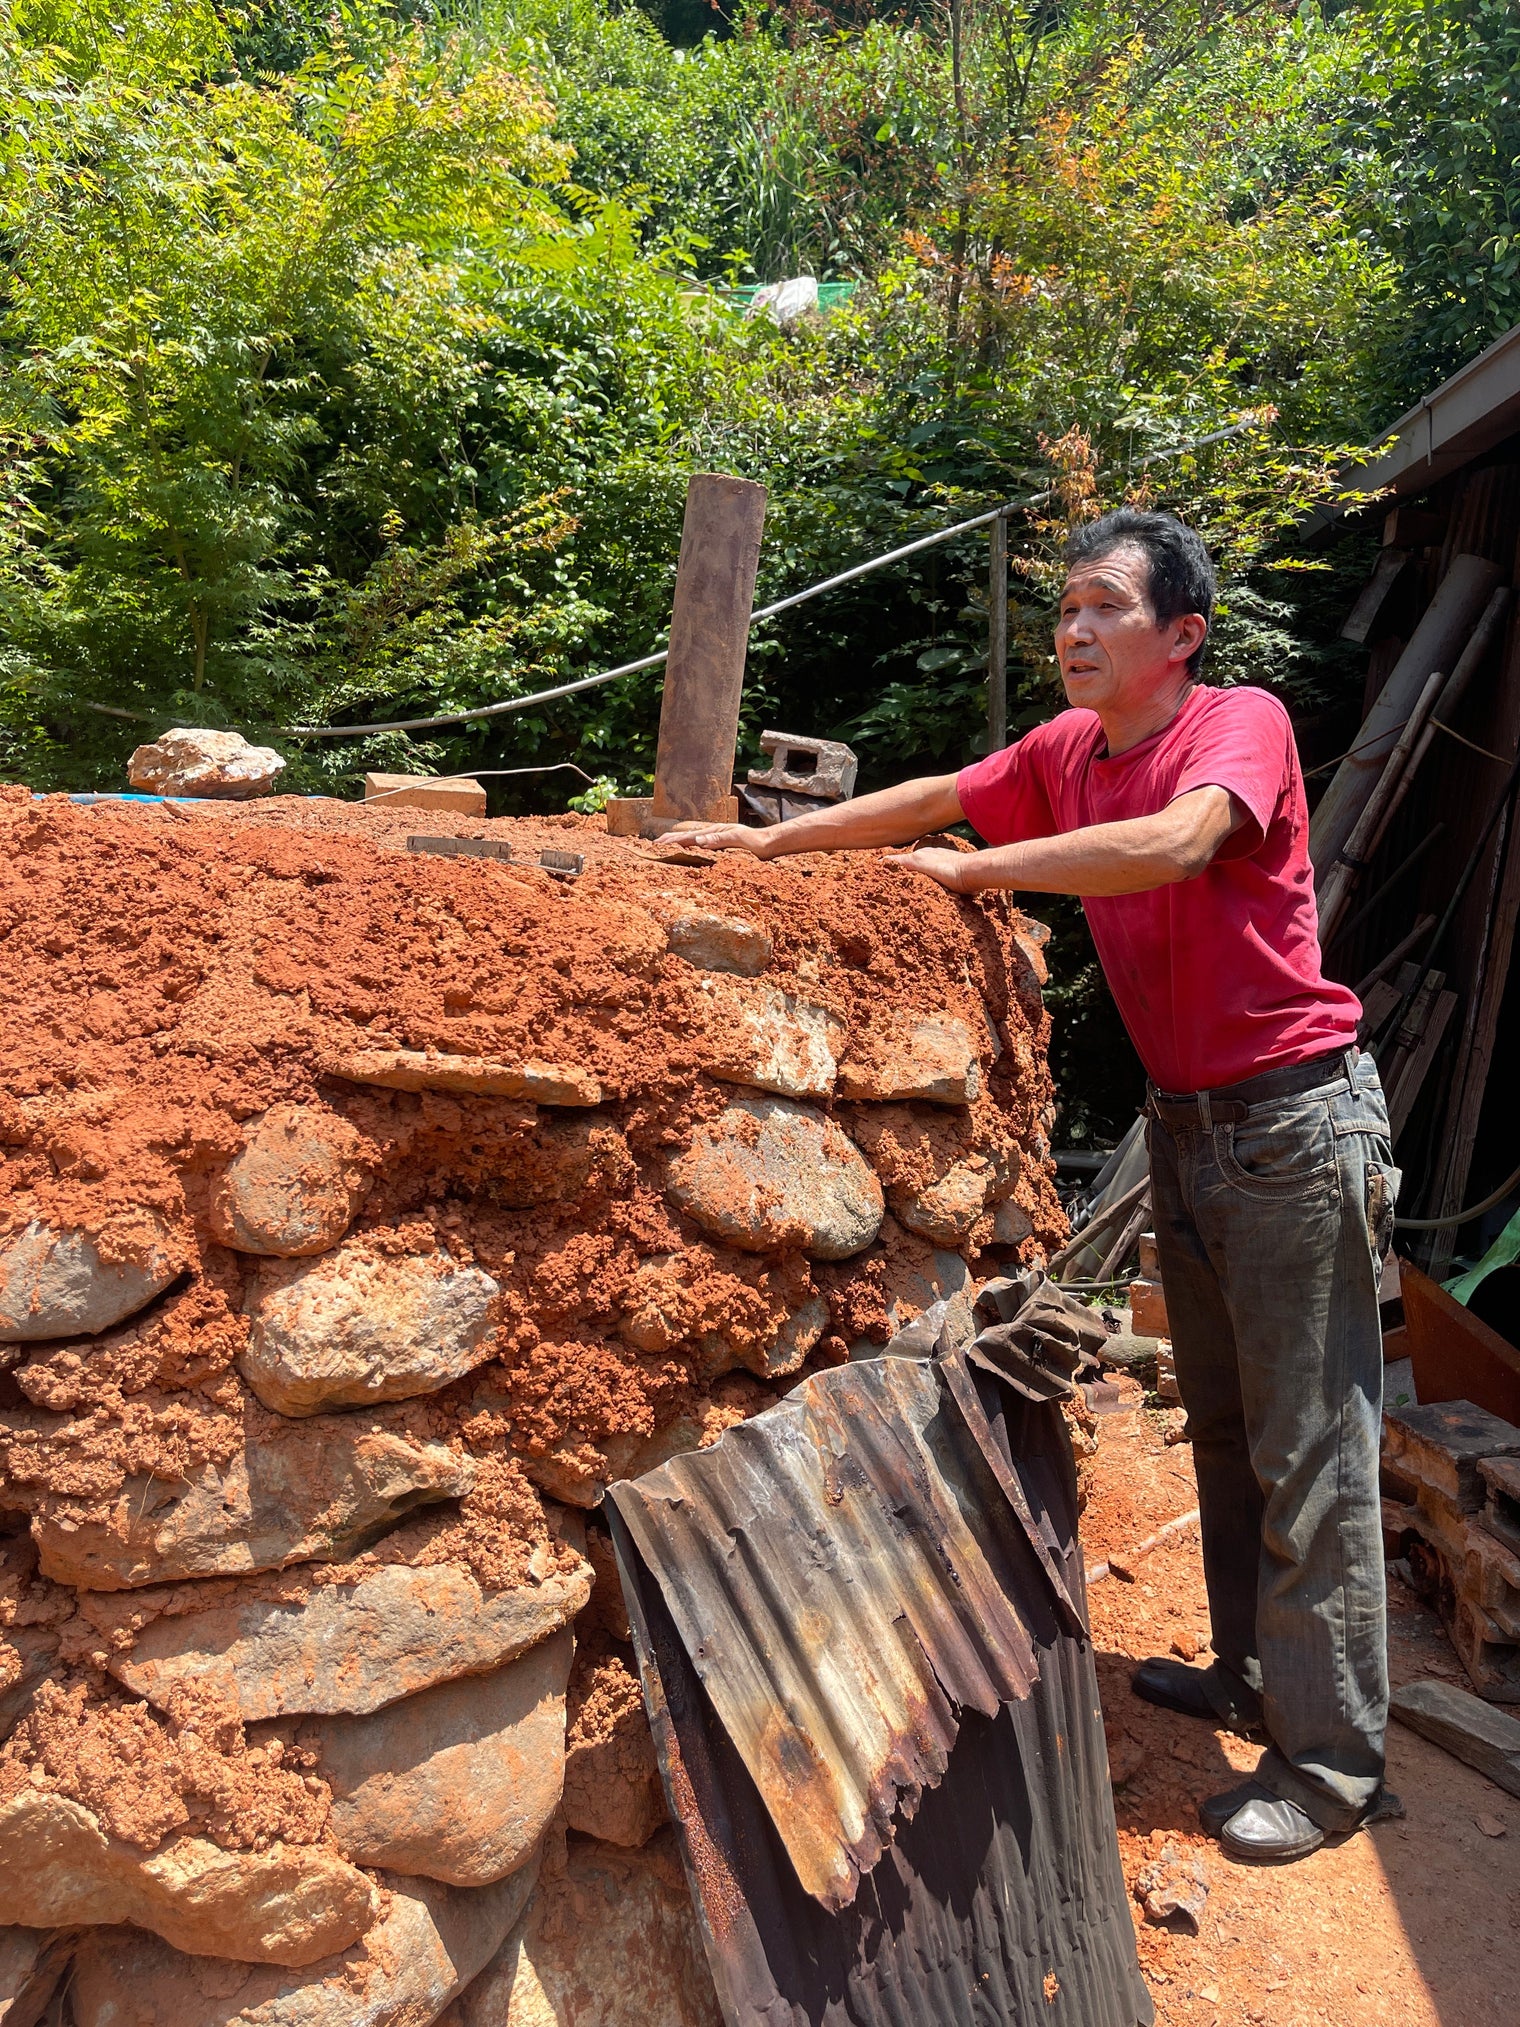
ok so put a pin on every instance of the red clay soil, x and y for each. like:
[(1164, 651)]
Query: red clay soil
[(1412, 1924), (172, 974)]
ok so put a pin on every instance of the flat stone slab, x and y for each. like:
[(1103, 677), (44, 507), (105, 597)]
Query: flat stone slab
[(457, 1783), (933, 1058), (339, 1649), (480, 1076), (357, 1327), (294, 1188), (286, 1904), (429, 1942), (319, 1490), (767, 1174), (59, 1283), (761, 1036), (1468, 1728)]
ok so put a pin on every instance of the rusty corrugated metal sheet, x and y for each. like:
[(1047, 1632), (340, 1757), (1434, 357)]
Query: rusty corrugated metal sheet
[(859, 1625), (837, 1603)]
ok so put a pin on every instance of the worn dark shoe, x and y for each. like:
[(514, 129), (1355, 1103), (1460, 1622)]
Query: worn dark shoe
[(1173, 1685), (1217, 1810), (1269, 1831)]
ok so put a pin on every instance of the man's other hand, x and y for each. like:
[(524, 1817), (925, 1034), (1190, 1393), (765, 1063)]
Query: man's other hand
[(950, 869)]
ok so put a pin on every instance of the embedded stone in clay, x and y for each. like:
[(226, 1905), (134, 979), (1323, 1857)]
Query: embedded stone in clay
[(609, 1941), (767, 1174), (307, 1491), (286, 1904), (357, 1327), (340, 1648), (426, 1947), (713, 942), (57, 1284), (478, 1076), (295, 1186), (457, 1783), (934, 1058), (764, 1037), (946, 1209)]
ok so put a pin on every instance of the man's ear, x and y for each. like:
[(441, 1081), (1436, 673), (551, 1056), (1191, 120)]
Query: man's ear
[(1189, 631)]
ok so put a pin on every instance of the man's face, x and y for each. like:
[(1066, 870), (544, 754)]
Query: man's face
[(1111, 650)]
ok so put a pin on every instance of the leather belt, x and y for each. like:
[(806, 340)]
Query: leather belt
[(1231, 1102)]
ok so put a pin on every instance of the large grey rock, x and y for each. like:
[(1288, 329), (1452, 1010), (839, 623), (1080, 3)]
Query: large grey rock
[(57, 1283), (294, 1187), (429, 1942), (761, 1036), (932, 1057), (32, 1961), (339, 1649), (286, 1904), (192, 760), (1011, 1224), (307, 1491), (767, 1174), (457, 1783), (357, 1327), (611, 1941)]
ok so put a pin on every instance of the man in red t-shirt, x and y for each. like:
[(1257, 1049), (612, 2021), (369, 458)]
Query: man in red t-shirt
[(1177, 812)]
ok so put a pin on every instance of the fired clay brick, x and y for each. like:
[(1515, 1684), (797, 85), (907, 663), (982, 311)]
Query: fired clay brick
[(308, 1491), (428, 1943), (295, 1186), (335, 1649), (287, 1904), (768, 1174), (58, 1283), (457, 1783), (933, 1058), (761, 1036), (358, 1327)]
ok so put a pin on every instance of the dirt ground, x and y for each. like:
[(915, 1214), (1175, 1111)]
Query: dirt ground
[(1412, 1924)]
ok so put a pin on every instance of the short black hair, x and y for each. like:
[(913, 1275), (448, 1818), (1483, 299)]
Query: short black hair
[(1181, 574)]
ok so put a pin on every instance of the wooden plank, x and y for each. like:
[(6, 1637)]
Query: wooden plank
[(1478, 1049), (1380, 1001), (1457, 1356), (1374, 594), (1448, 620), (709, 637), (1465, 1726), (1417, 1067)]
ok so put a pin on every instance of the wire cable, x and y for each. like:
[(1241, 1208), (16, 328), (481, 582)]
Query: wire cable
[(1497, 1196)]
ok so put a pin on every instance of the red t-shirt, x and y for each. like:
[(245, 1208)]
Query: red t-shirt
[(1218, 977)]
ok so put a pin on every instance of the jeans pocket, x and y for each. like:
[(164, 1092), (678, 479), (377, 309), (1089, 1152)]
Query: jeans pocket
[(1279, 1151), (1383, 1181)]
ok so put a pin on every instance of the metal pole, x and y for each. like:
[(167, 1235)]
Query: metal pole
[(709, 632), (997, 638)]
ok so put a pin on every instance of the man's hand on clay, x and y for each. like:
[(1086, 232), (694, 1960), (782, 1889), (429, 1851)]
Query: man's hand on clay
[(725, 837), (950, 869)]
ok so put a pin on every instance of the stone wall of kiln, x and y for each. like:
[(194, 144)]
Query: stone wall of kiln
[(314, 1677)]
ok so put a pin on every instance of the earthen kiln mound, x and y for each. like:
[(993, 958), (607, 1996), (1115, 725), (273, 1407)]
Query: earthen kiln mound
[(362, 1214)]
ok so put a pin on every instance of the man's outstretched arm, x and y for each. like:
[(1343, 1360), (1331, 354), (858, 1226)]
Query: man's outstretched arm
[(890, 816), (1132, 857)]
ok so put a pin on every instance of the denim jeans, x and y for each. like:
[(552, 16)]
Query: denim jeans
[(1273, 1214)]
